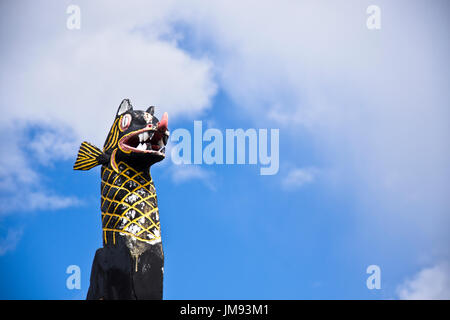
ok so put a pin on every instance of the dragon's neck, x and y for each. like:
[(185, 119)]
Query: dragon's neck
[(129, 205)]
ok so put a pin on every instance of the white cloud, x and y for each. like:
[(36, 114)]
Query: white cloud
[(78, 78), (184, 173), (21, 186), (52, 145), (10, 241), (70, 83), (299, 177), (429, 284), (14, 168), (28, 200), (374, 103)]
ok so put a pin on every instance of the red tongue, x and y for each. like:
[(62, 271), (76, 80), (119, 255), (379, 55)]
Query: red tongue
[(163, 124)]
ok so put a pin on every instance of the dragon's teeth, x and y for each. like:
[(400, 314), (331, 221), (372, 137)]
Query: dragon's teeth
[(145, 136), (141, 146), (141, 137)]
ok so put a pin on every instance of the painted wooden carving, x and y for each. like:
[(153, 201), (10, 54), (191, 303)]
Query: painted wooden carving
[(131, 263)]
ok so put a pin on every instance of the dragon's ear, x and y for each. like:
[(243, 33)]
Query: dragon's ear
[(125, 106), (151, 110)]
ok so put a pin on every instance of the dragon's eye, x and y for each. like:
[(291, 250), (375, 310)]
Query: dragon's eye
[(125, 122)]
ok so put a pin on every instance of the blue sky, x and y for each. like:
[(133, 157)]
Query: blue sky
[(363, 121)]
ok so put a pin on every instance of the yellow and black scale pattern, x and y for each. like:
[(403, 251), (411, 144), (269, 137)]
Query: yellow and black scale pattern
[(129, 205)]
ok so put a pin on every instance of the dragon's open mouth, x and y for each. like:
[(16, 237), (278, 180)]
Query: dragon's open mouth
[(147, 140)]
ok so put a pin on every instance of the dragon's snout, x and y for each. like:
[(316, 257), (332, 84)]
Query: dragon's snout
[(163, 124)]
